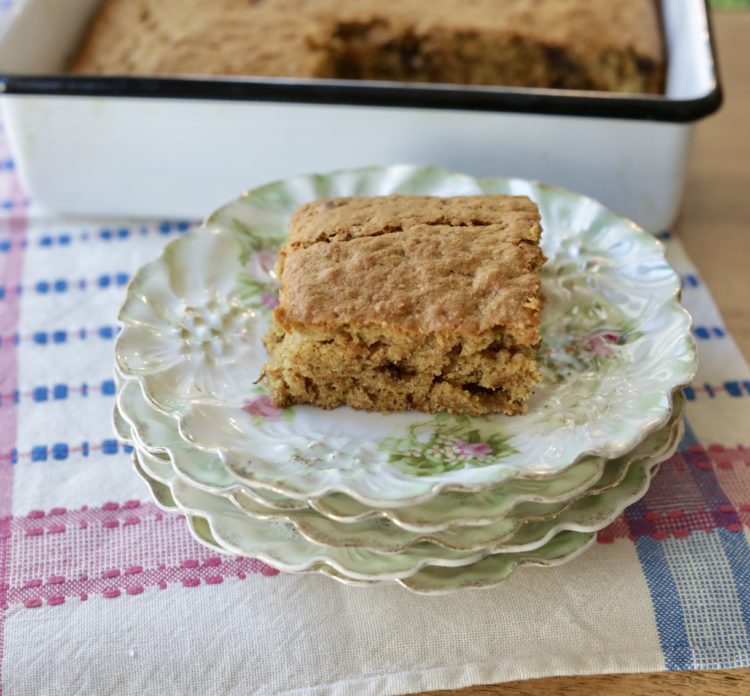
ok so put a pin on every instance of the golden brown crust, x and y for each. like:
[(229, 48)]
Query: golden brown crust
[(342, 219), (461, 265), (586, 44)]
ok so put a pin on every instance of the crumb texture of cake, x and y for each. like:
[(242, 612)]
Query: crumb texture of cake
[(574, 44), (409, 303)]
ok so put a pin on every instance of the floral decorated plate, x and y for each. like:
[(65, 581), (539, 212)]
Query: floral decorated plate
[(517, 499), (157, 432), (530, 525), (486, 572), (512, 530), (278, 543), (201, 531), (616, 345)]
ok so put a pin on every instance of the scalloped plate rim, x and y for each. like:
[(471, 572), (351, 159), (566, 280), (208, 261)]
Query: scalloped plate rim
[(423, 536), (280, 486), (324, 568), (231, 491)]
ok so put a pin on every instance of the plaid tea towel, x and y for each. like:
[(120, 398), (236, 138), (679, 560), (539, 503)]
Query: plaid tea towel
[(101, 593)]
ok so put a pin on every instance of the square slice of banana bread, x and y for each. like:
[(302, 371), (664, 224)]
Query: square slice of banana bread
[(409, 303)]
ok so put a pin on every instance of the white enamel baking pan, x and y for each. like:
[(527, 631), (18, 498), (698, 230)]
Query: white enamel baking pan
[(181, 147)]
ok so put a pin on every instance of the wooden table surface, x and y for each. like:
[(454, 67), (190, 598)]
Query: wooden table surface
[(715, 228)]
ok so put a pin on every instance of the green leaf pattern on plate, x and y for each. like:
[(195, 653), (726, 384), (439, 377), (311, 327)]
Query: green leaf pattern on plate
[(258, 283), (446, 443)]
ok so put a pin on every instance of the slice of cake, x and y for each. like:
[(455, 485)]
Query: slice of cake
[(409, 303)]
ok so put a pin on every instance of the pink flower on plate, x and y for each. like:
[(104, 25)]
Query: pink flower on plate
[(601, 343), (270, 301), (261, 265), (263, 407), (473, 449)]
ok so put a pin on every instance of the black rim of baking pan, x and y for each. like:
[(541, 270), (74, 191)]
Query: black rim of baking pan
[(382, 94)]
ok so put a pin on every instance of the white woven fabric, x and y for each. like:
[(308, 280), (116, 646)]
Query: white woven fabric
[(103, 594)]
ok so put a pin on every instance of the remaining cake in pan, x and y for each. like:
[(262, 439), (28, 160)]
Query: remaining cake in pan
[(613, 45), (409, 303)]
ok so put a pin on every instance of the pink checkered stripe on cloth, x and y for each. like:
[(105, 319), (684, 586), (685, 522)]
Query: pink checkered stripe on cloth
[(115, 549)]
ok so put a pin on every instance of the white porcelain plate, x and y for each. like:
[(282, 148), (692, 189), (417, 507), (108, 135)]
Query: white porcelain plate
[(616, 344), (157, 433), (279, 543), (486, 572), (495, 523), (424, 568)]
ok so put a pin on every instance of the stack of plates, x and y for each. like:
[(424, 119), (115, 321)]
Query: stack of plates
[(434, 503)]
